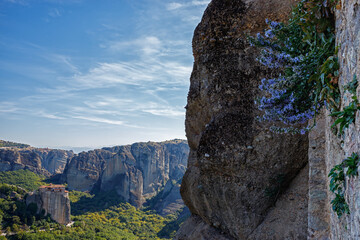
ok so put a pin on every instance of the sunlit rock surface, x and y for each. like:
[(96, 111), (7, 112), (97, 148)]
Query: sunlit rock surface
[(39, 160), (136, 171), (53, 200)]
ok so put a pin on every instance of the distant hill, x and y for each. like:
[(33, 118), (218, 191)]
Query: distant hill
[(42, 161), (13, 144)]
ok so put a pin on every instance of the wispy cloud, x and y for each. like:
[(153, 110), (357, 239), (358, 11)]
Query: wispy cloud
[(147, 45), (100, 120), (173, 6), (22, 2), (136, 80), (54, 13), (8, 107), (49, 115), (165, 112), (176, 5)]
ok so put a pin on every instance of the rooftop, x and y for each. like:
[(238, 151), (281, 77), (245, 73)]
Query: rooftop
[(52, 186)]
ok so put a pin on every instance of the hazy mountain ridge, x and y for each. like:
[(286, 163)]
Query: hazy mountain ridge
[(42, 161)]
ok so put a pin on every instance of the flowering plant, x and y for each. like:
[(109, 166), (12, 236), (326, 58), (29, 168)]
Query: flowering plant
[(304, 52)]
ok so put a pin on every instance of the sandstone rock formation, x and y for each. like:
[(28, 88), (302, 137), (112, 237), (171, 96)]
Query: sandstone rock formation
[(53, 160), (135, 172), (53, 200), (39, 160), (237, 169)]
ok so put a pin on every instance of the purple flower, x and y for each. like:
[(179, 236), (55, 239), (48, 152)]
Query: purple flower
[(269, 34), (274, 25)]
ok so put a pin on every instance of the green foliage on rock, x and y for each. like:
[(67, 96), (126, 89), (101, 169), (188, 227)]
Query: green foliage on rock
[(95, 216), (120, 221), (347, 116), (349, 167), (22, 178), (15, 215), (83, 203), (76, 196)]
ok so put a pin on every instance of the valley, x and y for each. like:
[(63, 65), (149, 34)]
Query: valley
[(123, 192)]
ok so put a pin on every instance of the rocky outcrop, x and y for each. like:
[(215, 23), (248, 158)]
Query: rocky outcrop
[(53, 160), (238, 171), (39, 160), (136, 171), (83, 171), (13, 159), (53, 200), (169, 200)]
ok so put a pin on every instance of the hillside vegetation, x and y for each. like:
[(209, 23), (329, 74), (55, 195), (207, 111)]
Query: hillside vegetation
[(95, 216), (13, 144), (22, 178)]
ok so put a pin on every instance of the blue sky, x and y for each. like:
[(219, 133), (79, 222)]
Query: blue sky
[(95, 73)]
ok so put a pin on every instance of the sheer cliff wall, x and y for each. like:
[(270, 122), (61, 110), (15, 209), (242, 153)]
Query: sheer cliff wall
[(135, 172), (38, 160), (329, 149), (234, 160), (53, 200), (338, 148)]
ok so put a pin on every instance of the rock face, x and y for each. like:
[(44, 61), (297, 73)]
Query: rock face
[(329, 149), (53, 200), (339, 148), (135, 172), (39, 160), (237, 169), (83, 171), (169, 199), (53, 160)]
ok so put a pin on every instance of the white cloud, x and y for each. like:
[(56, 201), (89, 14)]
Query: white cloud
[(165, 112), (100, 120), (8, 107), (50, 116), (200, 3), (146, 45), (173, 6)]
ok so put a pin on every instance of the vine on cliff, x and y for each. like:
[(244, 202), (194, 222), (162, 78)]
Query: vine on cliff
[(337, 175), (347, 116)]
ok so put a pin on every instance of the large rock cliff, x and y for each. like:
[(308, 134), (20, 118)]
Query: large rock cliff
[(334, 149), (237, 169), (234, 160), (135, 172), (53, 200), (39, 160)]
